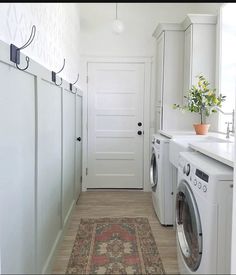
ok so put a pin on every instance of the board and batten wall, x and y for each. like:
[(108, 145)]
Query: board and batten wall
[(37, 174), (57, 34), (38, 182)]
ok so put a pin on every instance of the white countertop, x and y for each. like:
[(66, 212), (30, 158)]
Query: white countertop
[(175, 134), (223, 152), (214, 145)]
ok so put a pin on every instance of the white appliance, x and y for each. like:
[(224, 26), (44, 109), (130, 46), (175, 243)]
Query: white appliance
[(161, 180), (203, 215)]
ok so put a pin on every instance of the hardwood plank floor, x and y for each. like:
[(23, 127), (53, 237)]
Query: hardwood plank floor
[(118, 204)]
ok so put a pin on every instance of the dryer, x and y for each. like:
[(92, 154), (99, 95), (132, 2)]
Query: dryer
[(203, 215), (161, 180)]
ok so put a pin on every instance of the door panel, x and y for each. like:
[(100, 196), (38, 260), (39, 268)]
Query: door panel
[(17, 176), (115, 106), (78, 172)]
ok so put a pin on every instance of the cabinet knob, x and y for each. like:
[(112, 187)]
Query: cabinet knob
[(79, 138), (139, 133), (140, 124)]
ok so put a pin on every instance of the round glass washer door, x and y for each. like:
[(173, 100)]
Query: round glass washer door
[(188, 222), (153, 171)]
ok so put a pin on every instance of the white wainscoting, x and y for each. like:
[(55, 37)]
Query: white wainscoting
[(37, 164)]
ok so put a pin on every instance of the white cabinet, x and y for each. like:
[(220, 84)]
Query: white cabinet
[(159, 68), (199, 49), (183, 51), (169, 77), (158, 118)]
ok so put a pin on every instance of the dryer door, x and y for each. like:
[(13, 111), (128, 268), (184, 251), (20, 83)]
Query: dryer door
[(153, 170), (189, 230)]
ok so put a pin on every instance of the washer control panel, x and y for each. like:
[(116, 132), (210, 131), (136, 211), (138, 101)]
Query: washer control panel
[(197, 178)]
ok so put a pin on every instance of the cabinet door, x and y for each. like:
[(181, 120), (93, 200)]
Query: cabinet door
[(78, 157), (203, 52), (17, 176), (160, 68), (200, 54), (158, 119), (187, 61)]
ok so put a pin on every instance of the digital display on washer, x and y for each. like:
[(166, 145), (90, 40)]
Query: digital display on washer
[(202, 175)]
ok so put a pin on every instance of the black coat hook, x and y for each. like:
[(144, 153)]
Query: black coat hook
[(15, 51), (54, 78), (74, 82)]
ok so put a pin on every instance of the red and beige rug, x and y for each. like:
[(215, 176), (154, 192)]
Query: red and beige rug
[(115, 246)]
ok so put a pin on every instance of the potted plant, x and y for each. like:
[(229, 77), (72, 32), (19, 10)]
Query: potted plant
[(202, 100)]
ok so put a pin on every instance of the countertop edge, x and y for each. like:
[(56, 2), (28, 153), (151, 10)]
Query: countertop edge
[(212, 155)]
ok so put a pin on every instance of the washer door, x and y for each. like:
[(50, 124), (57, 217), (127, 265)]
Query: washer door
[(153, 171), (189, 230)]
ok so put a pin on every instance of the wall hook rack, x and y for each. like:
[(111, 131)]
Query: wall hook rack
[(71, 84), (54, 77), (15, 51)]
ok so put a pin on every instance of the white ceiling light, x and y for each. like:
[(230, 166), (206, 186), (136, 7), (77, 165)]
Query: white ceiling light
[(117, 26)]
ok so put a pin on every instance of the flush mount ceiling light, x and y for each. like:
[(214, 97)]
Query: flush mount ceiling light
[(117, 25)]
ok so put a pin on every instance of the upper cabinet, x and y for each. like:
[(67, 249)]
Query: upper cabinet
[(169, 75), (199, 48), (183, 51)]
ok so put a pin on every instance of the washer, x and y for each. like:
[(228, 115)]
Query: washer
[(161, 180), (203, 215)]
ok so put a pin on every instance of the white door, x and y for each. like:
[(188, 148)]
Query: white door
[(115, 125), (78, 157)]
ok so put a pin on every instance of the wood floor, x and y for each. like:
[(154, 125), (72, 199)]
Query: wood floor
[(118, 204)]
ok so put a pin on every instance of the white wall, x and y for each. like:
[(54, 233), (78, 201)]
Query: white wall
[(140, 20), (57, 34)]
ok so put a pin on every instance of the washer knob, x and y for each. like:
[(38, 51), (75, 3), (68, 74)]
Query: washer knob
[(195, 182), (199, 185), (187, 169), (204, 188)]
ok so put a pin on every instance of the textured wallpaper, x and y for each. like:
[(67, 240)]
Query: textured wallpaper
[(57, 33)]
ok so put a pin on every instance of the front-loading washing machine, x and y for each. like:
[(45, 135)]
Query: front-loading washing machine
[(161, 180), (203, 215)]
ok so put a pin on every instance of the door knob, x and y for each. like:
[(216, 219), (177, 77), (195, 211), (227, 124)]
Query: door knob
[(139, 123), (139, 133), (79, 138)]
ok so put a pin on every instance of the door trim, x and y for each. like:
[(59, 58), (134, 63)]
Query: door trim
[(147, 61)]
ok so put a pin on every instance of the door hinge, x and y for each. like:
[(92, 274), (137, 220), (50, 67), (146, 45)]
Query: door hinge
[(87, 78), (81, 178), (86, 171)]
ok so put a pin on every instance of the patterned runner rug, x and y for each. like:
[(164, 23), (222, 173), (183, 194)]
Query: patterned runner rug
[(115, 246)]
